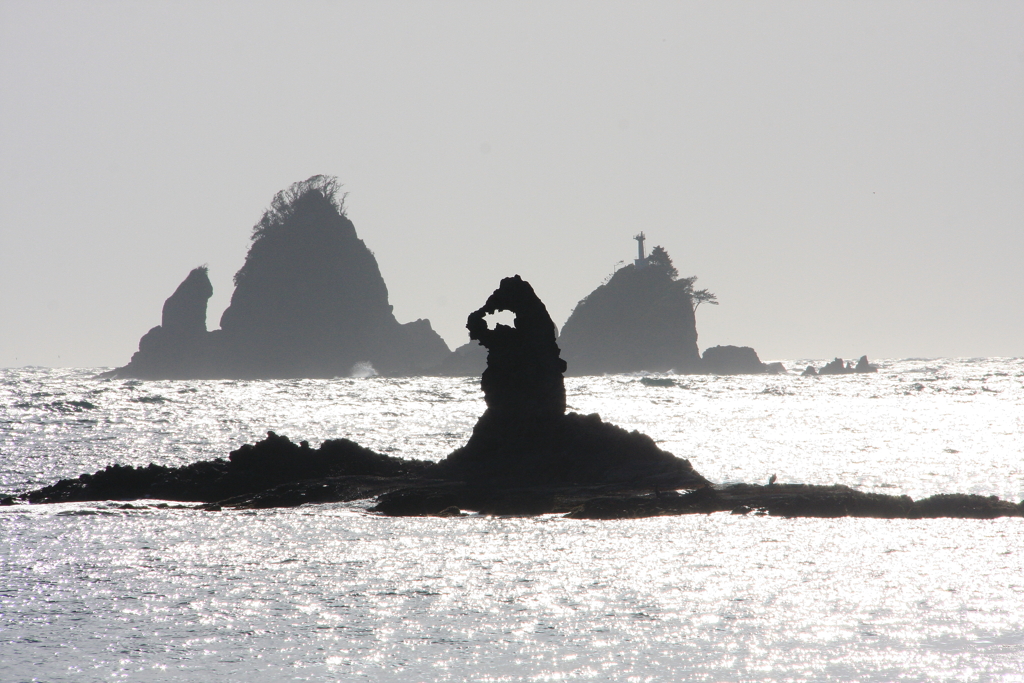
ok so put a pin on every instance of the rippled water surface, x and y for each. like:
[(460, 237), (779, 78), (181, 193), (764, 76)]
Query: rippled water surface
[(92, 592)]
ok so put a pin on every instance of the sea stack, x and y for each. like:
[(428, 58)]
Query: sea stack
[(179, 347), (525, 437), (309, 302), (641, 319)]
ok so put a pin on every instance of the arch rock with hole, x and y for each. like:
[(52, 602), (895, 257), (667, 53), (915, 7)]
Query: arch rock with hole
[(525, 436)]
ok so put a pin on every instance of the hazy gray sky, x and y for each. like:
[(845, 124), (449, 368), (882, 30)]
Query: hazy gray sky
[(848, 177)]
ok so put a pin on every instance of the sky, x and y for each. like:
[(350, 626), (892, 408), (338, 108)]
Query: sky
[(847, 177)]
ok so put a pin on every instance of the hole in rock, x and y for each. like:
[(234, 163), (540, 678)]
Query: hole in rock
[(503, 317)]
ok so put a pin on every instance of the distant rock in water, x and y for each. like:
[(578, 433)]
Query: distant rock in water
[(469, 360), (524, 437), (835, 367), (641, 319), (864, 366), (838, 367), (179, 347), (308, 302), (733, 360)]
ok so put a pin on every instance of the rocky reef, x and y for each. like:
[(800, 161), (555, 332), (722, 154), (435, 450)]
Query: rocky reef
[(838, 367), (272, 464), (309, 301), (278, 473), (795, 500), (641, 319)]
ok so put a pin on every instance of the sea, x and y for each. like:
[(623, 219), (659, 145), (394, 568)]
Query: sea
[(156, 592)]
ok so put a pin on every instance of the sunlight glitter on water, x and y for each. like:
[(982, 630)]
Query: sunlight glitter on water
[(702, 597), (322, 593), (917, 427)]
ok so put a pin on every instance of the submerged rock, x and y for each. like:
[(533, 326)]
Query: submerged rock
[(524, 436), (309, 301)]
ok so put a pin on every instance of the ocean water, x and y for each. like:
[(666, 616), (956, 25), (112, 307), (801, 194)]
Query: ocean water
[(95, 592)]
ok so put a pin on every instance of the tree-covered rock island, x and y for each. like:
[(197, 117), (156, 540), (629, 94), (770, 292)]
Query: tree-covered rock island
[(641, 319)]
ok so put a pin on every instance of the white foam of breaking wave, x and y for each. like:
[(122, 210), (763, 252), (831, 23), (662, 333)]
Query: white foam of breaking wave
[(362, 370)]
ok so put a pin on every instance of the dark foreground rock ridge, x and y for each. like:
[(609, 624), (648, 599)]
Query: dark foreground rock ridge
[(277, 473), (625, 502), (248, 472), (309, 302)]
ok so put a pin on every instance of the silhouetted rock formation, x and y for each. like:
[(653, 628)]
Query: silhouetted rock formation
[(526, 456), (797, 500), (308, 302), (523, 439), (864, 366), (179, 346), (524, 436), (835, 367), (838, 367), (252, 469), (641, 319), (184, 313), (733, 360)]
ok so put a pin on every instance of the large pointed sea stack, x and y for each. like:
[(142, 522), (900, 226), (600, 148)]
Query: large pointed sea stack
[(308, 302), (641, 319), (524, 436)]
